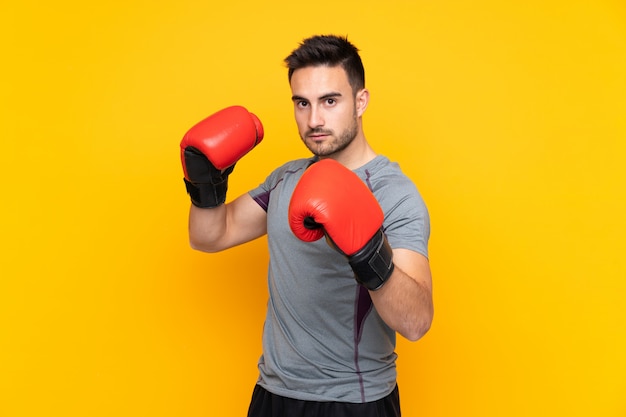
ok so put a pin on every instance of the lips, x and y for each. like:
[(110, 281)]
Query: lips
[(318, 135)]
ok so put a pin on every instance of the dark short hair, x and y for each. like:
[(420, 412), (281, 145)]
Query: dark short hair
[(329, 50)]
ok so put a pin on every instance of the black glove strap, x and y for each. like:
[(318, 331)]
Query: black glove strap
[(207, 195), (205, 184), (373, 264)]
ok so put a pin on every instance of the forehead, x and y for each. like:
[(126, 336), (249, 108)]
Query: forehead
[(318, 80)]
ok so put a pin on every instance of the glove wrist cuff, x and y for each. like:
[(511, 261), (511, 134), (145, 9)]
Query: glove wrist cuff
[(373, 264), (207, 195)]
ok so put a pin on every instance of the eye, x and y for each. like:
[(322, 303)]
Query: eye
[(331, 101), (302, 104)]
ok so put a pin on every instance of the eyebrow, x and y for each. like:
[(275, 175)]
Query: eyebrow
[(323, 97)]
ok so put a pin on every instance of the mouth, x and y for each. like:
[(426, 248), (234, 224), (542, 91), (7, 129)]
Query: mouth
[(318, 136)]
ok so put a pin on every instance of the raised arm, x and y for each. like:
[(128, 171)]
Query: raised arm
[(209, 151)]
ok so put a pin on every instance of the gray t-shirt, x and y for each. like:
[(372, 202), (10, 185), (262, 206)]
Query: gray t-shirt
[(323, 339)]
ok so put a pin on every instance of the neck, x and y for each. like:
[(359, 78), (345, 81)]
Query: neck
[(357, 154)]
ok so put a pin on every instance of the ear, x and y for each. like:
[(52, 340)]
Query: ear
[(361, 101)]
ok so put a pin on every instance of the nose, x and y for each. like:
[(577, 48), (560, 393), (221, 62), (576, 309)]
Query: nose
[(315, 118)]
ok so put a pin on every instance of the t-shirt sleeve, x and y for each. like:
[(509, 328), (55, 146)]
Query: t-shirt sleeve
[(407, 222), (263, 192)]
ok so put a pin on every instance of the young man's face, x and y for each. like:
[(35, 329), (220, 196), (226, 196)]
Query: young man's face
[(325, 108)]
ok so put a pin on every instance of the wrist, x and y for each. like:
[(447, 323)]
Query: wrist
[(373, 264), (207, 195)]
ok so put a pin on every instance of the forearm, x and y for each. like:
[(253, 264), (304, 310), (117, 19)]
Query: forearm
[(206, 227), (225, 226), (405, 303)]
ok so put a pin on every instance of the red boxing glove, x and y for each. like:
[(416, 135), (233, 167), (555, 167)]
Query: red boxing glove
[(331, 200), (210, 149)]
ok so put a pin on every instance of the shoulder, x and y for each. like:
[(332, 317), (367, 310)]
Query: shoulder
[(295, 165), (287, 169), (407, 221), (387, 180), (287, 173)]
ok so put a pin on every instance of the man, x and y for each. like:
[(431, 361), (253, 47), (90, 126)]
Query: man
[(335, 304)]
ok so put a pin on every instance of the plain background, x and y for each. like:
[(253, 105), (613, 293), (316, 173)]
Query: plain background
[(509, 116)]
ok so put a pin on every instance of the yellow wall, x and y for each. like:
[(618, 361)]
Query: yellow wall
[(510, 117)]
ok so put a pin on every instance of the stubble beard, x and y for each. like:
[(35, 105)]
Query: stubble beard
[(337, 144)]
